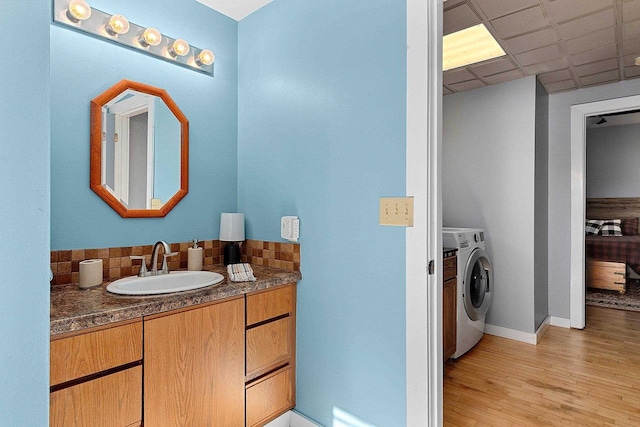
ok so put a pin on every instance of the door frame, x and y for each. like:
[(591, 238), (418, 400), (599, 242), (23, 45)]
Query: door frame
[(579, 114), (424, 357)]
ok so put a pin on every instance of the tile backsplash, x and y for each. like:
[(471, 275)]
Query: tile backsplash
[(116, 263)]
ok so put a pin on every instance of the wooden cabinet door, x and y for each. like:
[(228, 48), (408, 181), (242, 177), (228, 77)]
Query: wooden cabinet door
[(270, 396), (96, 351), (194, 367), (269, 346), (114, 400), (449, 313)]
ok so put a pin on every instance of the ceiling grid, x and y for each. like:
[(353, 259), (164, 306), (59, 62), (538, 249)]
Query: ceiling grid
[(568, 44)]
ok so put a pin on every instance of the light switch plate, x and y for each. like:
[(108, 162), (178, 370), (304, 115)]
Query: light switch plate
[(396, 211), (156, 204)]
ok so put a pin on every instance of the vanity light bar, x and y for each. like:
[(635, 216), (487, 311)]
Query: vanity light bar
[(80, 16)]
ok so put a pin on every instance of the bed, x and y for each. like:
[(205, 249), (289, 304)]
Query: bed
[(612, 259)]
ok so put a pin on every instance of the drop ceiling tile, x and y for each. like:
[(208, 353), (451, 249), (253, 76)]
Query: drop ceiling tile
[(629, 60), (446, 91), (543, 54), (631, 30), (607, 76), (547, 67), (591, 41), (494, 9), (459, 18), (493, 66), (457, 75), (530, 41), (567, 43), (593, 55), (560, 86), (452, 3), (564, 10), (520, 22), (503, 77), (597, 67), (554, 76), (462, 86), (630, 10), (632, 71), (631, 46), (581, 26)]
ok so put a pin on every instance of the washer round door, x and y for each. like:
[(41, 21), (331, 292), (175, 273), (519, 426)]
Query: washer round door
[(478, 284)]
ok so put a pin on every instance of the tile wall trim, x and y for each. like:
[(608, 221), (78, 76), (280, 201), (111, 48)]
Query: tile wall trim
[(116, 263)]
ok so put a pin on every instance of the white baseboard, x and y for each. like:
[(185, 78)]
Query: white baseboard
[(527, 337), (542, 329), (511, 334), (299, 420), (560, 321), (292, 419)]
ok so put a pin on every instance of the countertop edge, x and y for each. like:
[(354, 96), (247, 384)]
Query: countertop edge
[(128, 308)]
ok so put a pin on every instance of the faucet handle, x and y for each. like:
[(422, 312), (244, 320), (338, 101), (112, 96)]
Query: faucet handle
[(143, 265), (165, 268)]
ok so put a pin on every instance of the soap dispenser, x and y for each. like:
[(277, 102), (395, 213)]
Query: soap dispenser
[(194, 261)]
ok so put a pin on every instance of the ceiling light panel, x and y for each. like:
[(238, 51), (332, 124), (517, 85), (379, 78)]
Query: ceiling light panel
[(469, 46)]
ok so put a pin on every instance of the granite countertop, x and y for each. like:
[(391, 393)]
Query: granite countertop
[(73, 309)]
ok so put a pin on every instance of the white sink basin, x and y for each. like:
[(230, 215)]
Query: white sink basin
[(175, 281)]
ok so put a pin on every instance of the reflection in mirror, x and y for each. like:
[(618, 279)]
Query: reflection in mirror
[(141, 139)]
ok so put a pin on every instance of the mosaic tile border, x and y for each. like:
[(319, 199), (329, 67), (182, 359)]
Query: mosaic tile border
[(272, 254), (116, 263)]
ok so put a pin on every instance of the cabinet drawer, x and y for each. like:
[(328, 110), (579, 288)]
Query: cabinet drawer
[(270, 397), (112, 400), (606, 275), (270, 304), (450, 268), (268, 346), (77, 356)]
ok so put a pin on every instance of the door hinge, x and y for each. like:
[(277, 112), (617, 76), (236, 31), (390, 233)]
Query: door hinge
[(432, 268)]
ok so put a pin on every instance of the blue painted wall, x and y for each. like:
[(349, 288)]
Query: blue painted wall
[(322, 135), (24, 213), (82, 67)]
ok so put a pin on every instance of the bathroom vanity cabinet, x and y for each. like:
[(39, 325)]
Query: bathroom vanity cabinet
[(449, 306), (96, 377), (229, 362), (194, 366)]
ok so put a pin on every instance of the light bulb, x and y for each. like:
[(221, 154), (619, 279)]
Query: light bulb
[(79, 10), (206, 57), (118, 24), (179, 47), (150, 37)]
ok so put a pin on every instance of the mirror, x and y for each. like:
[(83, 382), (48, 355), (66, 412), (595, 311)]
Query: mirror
[(139, 150)]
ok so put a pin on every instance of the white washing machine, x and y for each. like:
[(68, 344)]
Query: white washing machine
[(475, 284)]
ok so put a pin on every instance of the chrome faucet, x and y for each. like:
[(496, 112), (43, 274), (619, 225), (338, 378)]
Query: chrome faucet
[(154, 258), (153, 271)]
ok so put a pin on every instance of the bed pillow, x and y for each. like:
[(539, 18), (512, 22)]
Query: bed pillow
[(629, 226), (611, 227), (592, 226)]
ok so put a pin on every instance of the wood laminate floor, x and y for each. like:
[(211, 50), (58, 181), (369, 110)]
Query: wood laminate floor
[(587, 377)]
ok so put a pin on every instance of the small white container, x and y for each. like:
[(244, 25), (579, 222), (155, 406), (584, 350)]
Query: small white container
[(194, 260)]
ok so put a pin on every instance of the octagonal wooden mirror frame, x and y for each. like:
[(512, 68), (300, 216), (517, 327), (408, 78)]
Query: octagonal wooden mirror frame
[(96, 160)]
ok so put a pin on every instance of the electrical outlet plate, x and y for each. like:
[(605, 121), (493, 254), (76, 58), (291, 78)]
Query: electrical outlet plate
[(156, 204), (290, 228), (396, 211)]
